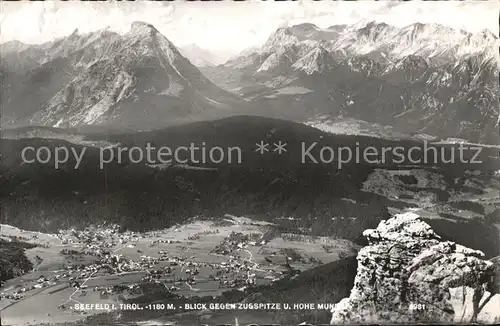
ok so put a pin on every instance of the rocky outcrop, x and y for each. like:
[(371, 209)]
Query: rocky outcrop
[(407, 275)]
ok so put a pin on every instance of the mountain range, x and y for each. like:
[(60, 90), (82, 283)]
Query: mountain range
[(138, 80), (420, 79), (423, 78)]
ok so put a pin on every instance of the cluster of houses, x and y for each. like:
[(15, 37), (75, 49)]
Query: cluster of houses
[(19, 293), (232, 242), (100, 242), (106, 291), (99, 238)]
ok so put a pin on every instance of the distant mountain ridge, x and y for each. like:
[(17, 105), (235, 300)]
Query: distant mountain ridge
[(198, 56), (434, 41), (138, 80), (423, 78), (433, 44)]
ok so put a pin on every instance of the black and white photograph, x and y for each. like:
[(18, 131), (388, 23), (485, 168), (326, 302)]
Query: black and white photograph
[(236, 163)]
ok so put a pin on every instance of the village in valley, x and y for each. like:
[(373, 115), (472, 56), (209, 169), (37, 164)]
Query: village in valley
[(82, 272)]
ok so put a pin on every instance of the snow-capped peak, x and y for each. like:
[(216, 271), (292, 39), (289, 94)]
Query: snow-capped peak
[(427, 40), (281, 38)]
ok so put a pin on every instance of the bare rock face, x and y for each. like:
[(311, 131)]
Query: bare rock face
[(406, 273)]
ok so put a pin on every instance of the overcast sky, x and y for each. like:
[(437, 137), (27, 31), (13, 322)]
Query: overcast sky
[(229, 27)]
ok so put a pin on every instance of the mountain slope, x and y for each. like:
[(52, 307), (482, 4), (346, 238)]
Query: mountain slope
[(138, 80)]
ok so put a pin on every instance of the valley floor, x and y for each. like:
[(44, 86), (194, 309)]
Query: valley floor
[(201, 258)]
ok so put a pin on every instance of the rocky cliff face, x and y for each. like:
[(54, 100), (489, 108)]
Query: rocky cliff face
[(408, 275)]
